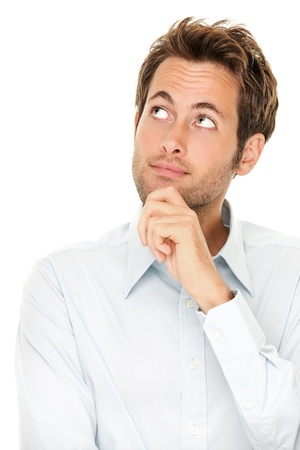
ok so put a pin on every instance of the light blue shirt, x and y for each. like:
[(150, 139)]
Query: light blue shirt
[(113, 354)]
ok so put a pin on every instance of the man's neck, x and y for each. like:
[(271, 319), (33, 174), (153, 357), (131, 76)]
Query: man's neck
[(213, 228)]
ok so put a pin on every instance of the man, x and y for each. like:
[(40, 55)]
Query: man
[(180, 330)]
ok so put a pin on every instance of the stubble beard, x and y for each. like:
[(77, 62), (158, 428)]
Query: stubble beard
[(198, 196)]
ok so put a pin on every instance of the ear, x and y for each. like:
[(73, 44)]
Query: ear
[(251, 153), (136, 119)]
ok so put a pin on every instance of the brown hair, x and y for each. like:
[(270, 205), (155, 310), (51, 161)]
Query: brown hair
[(230, 46)]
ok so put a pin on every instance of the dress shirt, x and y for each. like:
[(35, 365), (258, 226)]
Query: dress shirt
[(113, 354)]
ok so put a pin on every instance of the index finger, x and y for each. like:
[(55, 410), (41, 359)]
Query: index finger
[(167, 194), (156, 204)]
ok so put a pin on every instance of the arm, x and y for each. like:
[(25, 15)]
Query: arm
[(173, 233), (265, 385), (55, 407)]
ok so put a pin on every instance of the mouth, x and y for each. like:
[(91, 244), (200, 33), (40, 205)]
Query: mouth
[(169, 170)]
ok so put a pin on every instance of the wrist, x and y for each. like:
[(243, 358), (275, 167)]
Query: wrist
[(213, 298)]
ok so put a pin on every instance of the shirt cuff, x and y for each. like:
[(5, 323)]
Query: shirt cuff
[(232, 329)]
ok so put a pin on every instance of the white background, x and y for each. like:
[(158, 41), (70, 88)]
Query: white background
[(67, 86)]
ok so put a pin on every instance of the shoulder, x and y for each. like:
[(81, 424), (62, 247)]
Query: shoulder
[(82, 252), (115, 237), (258, 236)]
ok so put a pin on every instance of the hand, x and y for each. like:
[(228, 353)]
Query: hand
[(173, 233)]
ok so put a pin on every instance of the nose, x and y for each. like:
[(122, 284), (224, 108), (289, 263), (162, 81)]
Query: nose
[(175, 141)]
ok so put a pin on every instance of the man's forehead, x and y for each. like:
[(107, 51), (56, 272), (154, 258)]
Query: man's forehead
[(198, 84)]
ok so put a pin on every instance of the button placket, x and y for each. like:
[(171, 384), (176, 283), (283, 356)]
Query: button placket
[(193, 374), (194, 430), (189, 303), (193, 364)]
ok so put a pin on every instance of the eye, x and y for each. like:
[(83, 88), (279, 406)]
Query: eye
[(159, 113), (205, 122)]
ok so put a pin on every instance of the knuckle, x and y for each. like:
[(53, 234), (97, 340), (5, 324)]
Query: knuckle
[(170, 189)]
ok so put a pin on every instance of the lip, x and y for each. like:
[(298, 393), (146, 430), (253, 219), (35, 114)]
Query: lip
[(169, 170)]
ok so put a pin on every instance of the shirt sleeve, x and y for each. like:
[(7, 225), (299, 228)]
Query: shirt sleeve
[(56, 410), (265, 386)]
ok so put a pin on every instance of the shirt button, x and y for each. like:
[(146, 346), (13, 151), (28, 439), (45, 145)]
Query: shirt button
[(192, 364), (194, 431), (248, 406), (216, 336), (189, 303)]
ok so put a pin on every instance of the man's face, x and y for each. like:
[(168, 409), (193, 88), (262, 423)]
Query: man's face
[(187, 133)]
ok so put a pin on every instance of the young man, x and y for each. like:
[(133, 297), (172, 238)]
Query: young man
[(180, 330)]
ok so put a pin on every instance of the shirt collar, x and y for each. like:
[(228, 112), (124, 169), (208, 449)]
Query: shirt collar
[(233, 251), (141, 258)]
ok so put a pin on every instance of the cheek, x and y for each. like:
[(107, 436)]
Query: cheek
[(203, 148), (146, 141), (211, 147)]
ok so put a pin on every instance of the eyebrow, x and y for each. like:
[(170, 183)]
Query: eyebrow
[(198, 105)]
